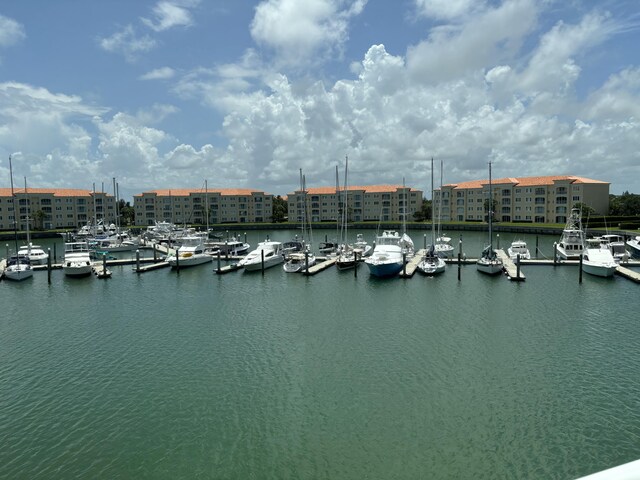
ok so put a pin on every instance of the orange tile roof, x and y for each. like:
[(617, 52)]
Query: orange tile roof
[(185, 192), (56, 192), (367, 189), (524, 181)]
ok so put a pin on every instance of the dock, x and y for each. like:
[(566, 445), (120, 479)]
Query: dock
[(628, 273), (319, 267), (234, 267), (150, 267), (410, 267), (511, 269)]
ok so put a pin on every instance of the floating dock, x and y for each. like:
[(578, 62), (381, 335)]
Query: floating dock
[(411, 265), (153, 266), (234, 267), (510, 268), (628, 273), (320, 266)]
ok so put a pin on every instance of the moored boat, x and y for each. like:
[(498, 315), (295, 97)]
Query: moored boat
[(598, 260), (572, 242), (489, 262), (519, 248), (268, 253), (189, 254), (77, 260)]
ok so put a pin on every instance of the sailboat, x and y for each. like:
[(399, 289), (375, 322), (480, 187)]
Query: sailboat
[(443, 247), (348, 254), (18, 266), (300, 260), (431, 263), (35, 253), (489, 262)]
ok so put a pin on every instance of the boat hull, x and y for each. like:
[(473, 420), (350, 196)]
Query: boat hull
[(269, 262), (191, 261), (599, 270), (385, 269), (18, 274), (489, 267), (431, 267)]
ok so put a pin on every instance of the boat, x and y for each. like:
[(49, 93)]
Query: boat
[(301, 257), (232, 247), (190, 253), (18, 266), (299, 261), (432, 263), (388, 255), (443, 247), (77, 260), (489, 262), (598, 260), (634, 245), (617, 245), (269, 251), (518, 248), (571, 241), (348, 255), (35, 253)]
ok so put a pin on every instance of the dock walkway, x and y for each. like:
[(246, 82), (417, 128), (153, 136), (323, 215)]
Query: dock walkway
[(625, 272), (412, 264), (320, 266), (513, 273)]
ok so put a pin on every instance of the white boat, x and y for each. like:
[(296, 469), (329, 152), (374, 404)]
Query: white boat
[(617, 245), (35, 253), (268, 250), (519, 247), (443, 247), (189, 254), (301, 257), (18, 268), (634, 245), (571, 242), (432, 263), (299, 261), (231, 246), (489, 262), (77, 262), (388, 255), (598, 260)]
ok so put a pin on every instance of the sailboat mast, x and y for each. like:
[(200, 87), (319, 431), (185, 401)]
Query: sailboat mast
[(490, 210), (433, 217), (15, 210)]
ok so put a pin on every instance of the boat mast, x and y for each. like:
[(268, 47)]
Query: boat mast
[(206, 205), (27, 217), (345, 217), (490, 212), (433, 217), (15, 210)]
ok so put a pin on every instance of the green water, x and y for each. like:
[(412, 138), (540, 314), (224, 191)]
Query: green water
[(241, 376)]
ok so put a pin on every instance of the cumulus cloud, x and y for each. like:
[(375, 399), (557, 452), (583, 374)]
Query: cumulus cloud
[(303, 32), (163, 73), (170, 14), (447, 9), (11, 32), (455, 49), (128, 43)]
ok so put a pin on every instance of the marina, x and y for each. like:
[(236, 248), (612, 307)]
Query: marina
[(341, 375)]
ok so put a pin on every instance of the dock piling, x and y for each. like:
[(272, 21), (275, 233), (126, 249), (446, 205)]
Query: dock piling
[(138, 260), (49, 266)]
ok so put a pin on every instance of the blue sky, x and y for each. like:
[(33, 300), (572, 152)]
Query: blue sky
[(170, 93)]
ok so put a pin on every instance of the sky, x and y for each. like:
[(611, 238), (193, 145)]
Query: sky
[(244, 94)]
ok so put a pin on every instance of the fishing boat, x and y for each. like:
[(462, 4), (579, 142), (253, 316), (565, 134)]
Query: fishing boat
[(432, 263), (489, 262), (77, 259), (268, 253), (572, 241), (387, 257), (616, 244), (190, 253)]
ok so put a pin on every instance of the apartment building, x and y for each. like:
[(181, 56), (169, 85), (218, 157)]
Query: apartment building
[(232, 205), (385, 203), (529, 199), (51, 208)]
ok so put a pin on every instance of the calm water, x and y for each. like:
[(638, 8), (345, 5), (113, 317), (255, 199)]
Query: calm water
[(239, 376)]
